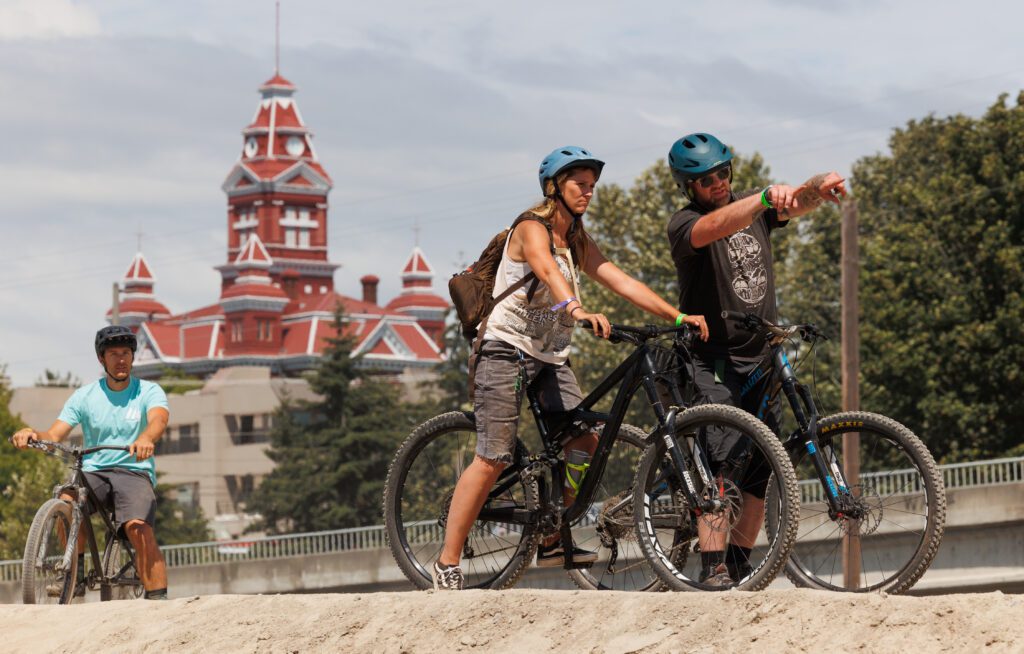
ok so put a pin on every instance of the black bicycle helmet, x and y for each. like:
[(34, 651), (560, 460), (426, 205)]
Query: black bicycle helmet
[(115, 335), (696, 155)]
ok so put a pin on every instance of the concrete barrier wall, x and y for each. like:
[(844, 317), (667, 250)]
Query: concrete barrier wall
[(983, 549)]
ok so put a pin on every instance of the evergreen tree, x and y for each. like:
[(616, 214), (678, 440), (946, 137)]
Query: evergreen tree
[(332, 455)]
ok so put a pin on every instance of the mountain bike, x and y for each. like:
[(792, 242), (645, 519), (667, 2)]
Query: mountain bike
[(50, 567), (526, 502), (896, 510)]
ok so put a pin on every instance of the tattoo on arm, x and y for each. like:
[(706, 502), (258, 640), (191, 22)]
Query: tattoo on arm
[(809, 197)]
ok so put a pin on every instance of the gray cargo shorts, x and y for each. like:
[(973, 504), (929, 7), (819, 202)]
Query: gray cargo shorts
[(129, 493), (498, 401)]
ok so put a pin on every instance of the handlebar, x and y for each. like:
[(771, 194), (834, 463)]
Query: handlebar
[(73, 450), (638, 335), (752, 322)]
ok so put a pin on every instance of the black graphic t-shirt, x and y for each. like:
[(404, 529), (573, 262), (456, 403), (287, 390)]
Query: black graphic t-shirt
[(731, 274)]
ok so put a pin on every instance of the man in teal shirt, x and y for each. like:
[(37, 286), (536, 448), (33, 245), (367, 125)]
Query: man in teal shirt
[(119, 409)]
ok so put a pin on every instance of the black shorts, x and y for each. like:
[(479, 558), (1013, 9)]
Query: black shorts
[(129, 493), (725, 381)]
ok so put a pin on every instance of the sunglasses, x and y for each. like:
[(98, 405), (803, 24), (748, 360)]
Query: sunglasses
[(721, 174)]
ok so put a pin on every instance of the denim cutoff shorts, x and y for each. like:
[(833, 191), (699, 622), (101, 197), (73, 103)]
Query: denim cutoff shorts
[(497, 403)]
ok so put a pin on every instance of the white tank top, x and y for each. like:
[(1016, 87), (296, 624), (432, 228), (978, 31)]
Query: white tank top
[(532, 326)]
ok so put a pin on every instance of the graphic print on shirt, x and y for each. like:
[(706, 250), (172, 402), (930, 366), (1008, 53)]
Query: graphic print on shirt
[(749, 276), (538, 321)]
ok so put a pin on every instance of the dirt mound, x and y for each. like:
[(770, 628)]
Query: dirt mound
[(527, 621)]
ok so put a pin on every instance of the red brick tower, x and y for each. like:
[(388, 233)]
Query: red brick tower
[(278, 191)]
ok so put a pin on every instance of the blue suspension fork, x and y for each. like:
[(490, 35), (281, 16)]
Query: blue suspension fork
[(823, 458)]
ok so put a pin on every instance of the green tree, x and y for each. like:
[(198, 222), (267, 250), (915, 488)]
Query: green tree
[(942, 315), (54, 378), (175, 381), (177, 523), (26, 480), (332, 455)]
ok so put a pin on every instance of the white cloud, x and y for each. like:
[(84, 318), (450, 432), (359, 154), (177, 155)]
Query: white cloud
[(46, 19)]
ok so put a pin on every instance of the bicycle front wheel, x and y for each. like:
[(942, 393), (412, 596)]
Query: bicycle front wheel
[(44, 580), (900, 509), (674, 534), (417, 495), (608, 527)]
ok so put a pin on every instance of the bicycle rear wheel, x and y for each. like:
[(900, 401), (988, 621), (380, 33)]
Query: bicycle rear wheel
[(902, 500), (43, 581), (417, 495), (117, 565), (666, 524), (608, 527)]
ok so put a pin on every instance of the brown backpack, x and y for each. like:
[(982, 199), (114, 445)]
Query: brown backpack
[(472, 290)]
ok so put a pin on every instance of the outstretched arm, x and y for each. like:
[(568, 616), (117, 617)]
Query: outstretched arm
[(812, 193), (789, 201)]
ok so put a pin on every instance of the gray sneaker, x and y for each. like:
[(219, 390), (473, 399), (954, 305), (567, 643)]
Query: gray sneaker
[(447, 577), (718, 578)]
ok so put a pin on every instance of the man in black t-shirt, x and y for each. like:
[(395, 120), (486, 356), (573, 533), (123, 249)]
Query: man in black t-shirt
[(721, 249)]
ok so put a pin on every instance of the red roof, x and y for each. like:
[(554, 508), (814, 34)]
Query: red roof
[(138, 271), (259, 290), (166, 337), (269, 169), (417, 263), (417, 340), (254, 254), (197, 340), (418, 300), (143, 306), (287, 116), (277, 80)]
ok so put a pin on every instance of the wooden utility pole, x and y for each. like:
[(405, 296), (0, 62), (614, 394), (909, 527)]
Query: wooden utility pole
[(115, 306), (850, 273)]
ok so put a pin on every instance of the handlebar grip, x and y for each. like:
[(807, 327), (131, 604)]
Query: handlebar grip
[(734, 315)]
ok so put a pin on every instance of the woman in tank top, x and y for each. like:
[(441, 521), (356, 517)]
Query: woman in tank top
[(529, 334)]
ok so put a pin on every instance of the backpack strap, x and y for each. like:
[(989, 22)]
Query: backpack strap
[(478, 342)]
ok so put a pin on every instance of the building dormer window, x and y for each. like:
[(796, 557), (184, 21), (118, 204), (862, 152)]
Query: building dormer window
[(298, 224)]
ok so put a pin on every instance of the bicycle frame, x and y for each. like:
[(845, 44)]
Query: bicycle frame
[(638, 370), (79, 485), (825, 463)]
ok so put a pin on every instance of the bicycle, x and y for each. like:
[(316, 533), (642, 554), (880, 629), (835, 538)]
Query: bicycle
[(50, 567), (897, 509), (526, 501)]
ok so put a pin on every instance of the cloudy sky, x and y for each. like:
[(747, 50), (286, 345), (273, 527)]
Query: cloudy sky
[(123, 116)]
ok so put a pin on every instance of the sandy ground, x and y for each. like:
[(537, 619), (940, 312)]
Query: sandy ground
[(527, 621)]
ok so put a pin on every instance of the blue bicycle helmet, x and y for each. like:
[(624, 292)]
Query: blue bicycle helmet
[(695, 155), (564, 158), (115, 335)]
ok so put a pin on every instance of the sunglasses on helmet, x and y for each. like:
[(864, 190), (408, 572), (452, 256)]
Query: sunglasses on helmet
[(721, 174)]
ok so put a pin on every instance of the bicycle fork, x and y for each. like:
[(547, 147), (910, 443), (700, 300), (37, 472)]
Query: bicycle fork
[(823, 457), (667, 423)]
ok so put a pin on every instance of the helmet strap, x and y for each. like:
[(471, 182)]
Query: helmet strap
[(575, 216)]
